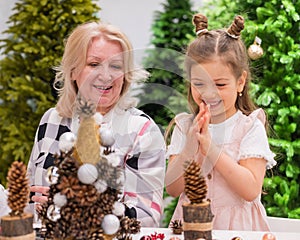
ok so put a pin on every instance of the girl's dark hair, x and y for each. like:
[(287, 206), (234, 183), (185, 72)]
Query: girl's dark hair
[(226, 44)]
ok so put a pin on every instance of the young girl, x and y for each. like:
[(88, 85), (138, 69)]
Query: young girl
[(226, 134)]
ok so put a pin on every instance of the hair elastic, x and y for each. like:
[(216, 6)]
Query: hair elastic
[(201, 31), (232, 35)]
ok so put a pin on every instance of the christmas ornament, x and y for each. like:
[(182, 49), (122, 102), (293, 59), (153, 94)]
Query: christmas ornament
[(268, 236), (66, 141), (53, 213), (146, 237), (255, 51), (87, 173), (18, 224), (110, 224), (197, 214), (52, 175)]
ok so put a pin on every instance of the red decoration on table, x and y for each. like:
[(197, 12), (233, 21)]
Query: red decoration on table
[(268, 236), (158, 236)]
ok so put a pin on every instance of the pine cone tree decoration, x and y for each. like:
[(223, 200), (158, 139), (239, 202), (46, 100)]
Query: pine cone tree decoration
[(83, 202), (18, 187), (176, 226), (195, 184)]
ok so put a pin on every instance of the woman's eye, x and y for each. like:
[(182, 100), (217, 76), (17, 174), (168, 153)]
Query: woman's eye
[(220, 84), (93, 64), (116, 66)]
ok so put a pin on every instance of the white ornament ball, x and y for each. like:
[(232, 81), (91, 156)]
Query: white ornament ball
[(59, 200), (66, 141), (110, 224), (118, 209), (98, 118), (107, 138), (87, 173)]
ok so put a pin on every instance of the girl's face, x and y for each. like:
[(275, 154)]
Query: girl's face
[(102, 77), (214, 83)]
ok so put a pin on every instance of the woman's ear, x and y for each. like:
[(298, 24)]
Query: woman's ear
[(242, 81)]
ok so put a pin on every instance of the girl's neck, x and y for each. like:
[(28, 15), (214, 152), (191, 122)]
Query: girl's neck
[(221, 117)]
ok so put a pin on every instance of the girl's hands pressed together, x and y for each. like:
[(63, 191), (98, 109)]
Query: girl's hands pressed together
[(203, 135)]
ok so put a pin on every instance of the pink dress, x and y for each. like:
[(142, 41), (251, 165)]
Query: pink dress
[(240, 137)]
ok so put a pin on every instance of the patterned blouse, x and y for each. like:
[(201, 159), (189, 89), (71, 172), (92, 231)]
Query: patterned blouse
[(140, 145)]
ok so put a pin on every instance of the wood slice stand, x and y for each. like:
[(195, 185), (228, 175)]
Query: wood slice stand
[(197, 220), (17, 227)]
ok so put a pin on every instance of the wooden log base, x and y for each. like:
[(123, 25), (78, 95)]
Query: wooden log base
[(14, 226), (30, 236), (197, 221)]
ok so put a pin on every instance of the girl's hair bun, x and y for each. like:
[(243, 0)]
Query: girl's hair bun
[(236, 27), (200, 22)]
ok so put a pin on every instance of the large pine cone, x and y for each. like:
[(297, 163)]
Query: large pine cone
[(195, 184), (18, 188)]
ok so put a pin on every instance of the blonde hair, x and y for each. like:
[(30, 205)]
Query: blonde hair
[(74, 59)]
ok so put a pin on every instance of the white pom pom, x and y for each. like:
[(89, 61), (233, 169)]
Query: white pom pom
[(106, 135), (98, 118), (100, 185), (121, 178), (59, 199), (87, 173), (66, 141), (118, 209), (113, 159), (110, 224)]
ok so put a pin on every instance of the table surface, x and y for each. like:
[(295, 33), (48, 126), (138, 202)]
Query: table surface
[(220, 234)]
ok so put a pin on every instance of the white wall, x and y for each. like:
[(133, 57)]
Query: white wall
[(134, 17)]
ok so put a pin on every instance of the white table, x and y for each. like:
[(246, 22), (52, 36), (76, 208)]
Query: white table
[(220, 235)]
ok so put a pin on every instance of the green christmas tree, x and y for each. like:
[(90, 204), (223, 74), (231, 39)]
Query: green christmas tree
[(34, 45), (276, 88), (162, 95)]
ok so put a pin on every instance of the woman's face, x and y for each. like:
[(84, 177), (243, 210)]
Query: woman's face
[(102, 77), (214, 84)]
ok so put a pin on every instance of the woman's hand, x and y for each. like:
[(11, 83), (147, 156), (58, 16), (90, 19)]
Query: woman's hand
[(44, 191)]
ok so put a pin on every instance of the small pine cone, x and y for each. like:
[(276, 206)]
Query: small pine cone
[(176, 226), (69, 165), (85, 108), (129, 226), (94, 216), (134, 226), (195, 184), (68, 185), (96, 235), (18, 188), (85, 194)]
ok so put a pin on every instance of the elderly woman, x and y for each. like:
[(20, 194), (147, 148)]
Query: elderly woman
[(98, 64)]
